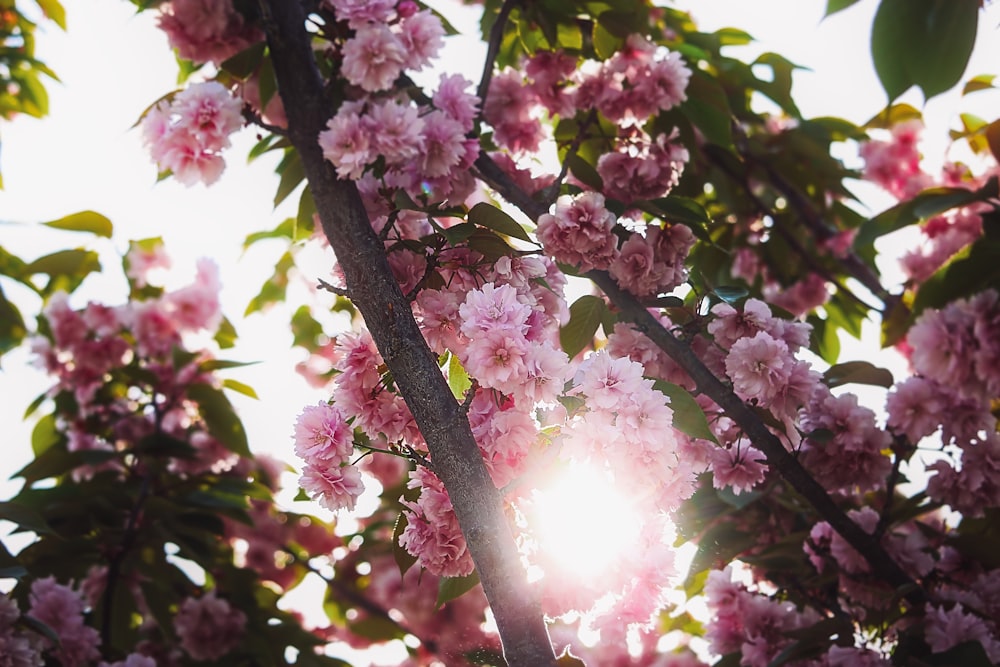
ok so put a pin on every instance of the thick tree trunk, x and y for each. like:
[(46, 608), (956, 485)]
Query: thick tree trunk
[(414, 368)]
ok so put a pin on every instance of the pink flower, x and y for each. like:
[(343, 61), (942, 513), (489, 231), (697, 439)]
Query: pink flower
[(432, 533), (444, 144), (209, 627), (496, 359), (197, 306), (374, 57), (397, 130), (322, 435), (609, 383), (335, 487), (61, 608), (947, 628), (185, 135), (422, 36), (452, 99), (346, 143), (740, 467), (916, 408), (579, 232), (493, 309), (759, 368), (209, 113), (359, 13), (206, 30), (142, 259)]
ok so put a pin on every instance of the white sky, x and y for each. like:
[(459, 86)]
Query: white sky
[(113, 64)]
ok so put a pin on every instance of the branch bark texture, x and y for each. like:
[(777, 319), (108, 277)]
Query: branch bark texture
[(457, 461)]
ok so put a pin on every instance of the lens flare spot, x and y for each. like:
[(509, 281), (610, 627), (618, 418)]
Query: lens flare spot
[(583, 522)]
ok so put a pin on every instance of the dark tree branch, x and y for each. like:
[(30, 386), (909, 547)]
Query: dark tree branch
[(778, 458), (881, 563), (478, 504), (493, 48)]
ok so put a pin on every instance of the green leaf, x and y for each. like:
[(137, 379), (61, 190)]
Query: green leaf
[(376, 628), (834, 6), (971, 270), (404, 559), (84, 221), (292, 173), (689, 418), (54, 11), (225, 337), (56, 461), (925, 205), (585, 315), (926, 43), (978, 83), (220, 417), (304, 221), (246, 62), (44, 435), (25, 517), (486, 215), (489, 245), (12, 327), (222, 364), (75, 263), (306, 331), (240, 387), (857, 372), (730, 294), (450, 588), (585, 172), (605, 43), (458, 379), (284, 230), (824, 340)]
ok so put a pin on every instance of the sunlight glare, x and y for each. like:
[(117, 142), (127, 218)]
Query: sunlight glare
[(584, 522)]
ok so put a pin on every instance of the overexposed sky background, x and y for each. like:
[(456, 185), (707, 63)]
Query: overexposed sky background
[(114, 63)]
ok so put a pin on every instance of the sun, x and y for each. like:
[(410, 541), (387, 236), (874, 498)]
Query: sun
[(583, 521)]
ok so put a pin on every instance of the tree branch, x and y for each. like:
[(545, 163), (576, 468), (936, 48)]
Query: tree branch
[(457, 460), (881, 563), (493, 48)]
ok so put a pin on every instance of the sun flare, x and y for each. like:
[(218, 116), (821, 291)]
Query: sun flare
[(583, 521)]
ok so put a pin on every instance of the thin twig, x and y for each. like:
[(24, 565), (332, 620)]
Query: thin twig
[(493, 49), (339, 291)]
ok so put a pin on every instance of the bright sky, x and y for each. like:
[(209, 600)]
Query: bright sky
[(113, 64)]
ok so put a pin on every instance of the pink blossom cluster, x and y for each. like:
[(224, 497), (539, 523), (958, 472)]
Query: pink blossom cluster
[(748, 621), (17, 648), (942, 237), (895, 164), (843, 447), (955, 354), (97, 347), (579, 232), (62, 609), (387, 39), (641, 168), (187, 133), (637, 82), (432, 533), (87, 344), (423, 148), (325, 441), (454, 629), (653, 263), (209, 627), (756, 351), (206, 30)]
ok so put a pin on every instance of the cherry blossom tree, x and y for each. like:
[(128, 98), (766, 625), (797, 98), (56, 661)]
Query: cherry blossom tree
[(618, 264)]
